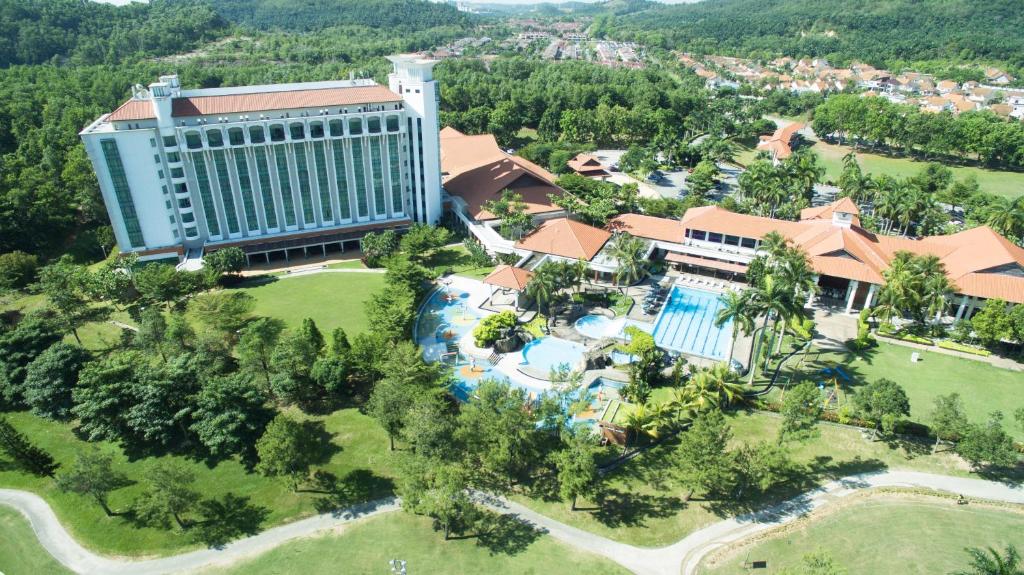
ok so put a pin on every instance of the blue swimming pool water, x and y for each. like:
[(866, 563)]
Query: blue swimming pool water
[(598, 326), (548, 352), (686, 324)]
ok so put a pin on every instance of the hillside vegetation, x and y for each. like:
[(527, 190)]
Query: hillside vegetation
[(880, 32), (302, 15)]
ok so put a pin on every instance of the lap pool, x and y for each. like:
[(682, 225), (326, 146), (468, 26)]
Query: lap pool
[(686, 324)]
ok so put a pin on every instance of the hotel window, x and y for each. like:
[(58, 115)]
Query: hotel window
[(186, 218), (322, 182), (193, 141), (316, 129), (214, 138), (170, 141), (392, 123), (236, 136), (156, 158), (256, 135), (152, 141), (245, 185), (206, 195), (355, 126), (177, 172), (732, 240), (225, 191), (699, 234), (715, 237), (298, 131), (191, 232), (373, 125), (341, 180), (277, 133), (174, 157), (305, 191), (266, 190), (396, 175), (359, 175), (284, 180), (337, 128), (377, 171), (748, 243), (184, 203)]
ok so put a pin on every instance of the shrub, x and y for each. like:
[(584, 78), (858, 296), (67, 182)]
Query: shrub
[(489, 329), (377, 247), (17, 270), (477, 254), (949, 344)]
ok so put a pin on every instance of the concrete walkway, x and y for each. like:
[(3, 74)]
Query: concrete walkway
[(683, 556)]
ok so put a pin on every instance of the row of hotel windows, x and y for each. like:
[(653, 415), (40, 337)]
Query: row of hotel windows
[(297, 130), (304, 163), (717, 238)]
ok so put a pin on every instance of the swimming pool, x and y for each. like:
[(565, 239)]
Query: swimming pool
[(546, 353), (686, 324), (597, 326)]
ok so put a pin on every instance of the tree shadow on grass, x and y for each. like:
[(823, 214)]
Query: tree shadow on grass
[(357, 486), (624, 509), (505, 534), (226, 519)]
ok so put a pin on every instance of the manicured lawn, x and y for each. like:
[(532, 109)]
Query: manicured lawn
[(20, 551), (644, 505), (368, 546), (1001, 183), (331, 299), (455, 258), (362, 464), (886, 535), (982, 387)]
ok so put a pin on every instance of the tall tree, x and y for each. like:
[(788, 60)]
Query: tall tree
[(990, 561), (93, 475), (51, 378), (169, 495), (256, 344), (705, 464), (577, 467), (287, 449)]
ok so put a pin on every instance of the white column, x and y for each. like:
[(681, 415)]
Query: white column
[(872, 291), (810, 297), (970, 307), (852, 293), (961, 308)]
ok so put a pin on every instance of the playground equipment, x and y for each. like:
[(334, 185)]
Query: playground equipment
[(778, 371), (834, 374)]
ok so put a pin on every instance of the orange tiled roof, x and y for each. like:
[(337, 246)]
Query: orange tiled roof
[(258, 101), (586, 164), (978, 261), (778, 143), (509, 277), (477, 170), (649, 227), (566, 238), (844, 205)]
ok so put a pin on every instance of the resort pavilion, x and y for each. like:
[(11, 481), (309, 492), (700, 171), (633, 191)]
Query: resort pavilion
[(511, 281)]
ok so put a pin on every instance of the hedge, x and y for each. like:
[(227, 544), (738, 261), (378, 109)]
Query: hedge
[(955, 346)]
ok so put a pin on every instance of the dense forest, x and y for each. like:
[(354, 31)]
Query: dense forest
[(36, 31), (305, 15), (841, 30)]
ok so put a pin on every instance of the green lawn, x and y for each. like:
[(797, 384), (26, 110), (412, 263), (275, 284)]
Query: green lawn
[(644, 505), (362, 462), (982, 387), (455, 258), (20, 551), (332, 299), (1000, 183), (368, 546), (886, 535)]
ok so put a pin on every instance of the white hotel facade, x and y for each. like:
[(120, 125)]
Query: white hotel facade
[(269, 168)]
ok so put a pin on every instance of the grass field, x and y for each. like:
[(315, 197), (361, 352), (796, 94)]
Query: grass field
[(886, 535), (455, 259), (362, 463), (644, 506), (1000, 183), (368, 546), (982, 387), (20, 551), (332, 299)]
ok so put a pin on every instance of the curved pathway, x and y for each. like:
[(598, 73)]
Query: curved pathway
[(682, 556)]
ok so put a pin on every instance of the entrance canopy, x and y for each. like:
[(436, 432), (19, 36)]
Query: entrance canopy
[(705, 263)]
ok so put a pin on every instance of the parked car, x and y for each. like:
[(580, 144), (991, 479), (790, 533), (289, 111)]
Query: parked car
[(614, 167)]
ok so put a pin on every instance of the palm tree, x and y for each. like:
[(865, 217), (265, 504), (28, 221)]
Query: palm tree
[(579, 272), (774, 300), (989, 561), (887, 203), (934, 287), (628, 251), (713, 387), (640, 419), (542, 287), (1007, 218), (735, 308), (683, 403), (898, 293), (774, 245)]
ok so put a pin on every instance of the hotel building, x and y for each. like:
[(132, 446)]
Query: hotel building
[(269, 168)]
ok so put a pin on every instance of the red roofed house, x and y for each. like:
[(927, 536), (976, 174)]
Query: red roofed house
[(778, 144), (588, 166)]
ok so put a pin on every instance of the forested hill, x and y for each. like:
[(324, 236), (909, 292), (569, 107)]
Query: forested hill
[(304, 15), (37, 31), (878, 31)]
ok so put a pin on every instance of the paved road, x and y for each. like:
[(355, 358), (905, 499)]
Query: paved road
[(683, 556)]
